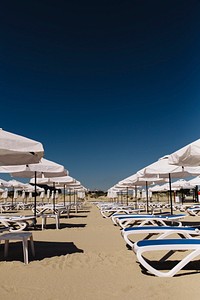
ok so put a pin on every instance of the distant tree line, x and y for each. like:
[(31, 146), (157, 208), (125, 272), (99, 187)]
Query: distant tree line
[(97, 193)]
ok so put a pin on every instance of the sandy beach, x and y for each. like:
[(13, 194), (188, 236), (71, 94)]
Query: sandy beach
[(86, 259)]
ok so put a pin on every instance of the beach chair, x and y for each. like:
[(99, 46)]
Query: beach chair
[(160, 220), (115, 217), (16, 223), (171, 246), (194, 210), (162, 232), (108, 212)]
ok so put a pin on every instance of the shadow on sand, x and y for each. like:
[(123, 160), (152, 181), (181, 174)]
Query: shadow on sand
[(64, 225), (192, 267), (42, 250)]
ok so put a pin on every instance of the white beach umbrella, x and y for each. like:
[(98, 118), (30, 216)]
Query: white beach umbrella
[(42, 195), (31, 188), (163, 169), (23, 194), (58, 182), (43, 168), (16, 149), (182, 184), (194, 181), (112, 193), (63, 179), (189, 155), (52, 195), (16, 184), (5, 194), (15, 194), (81, 194), (4, 183), (155, 188), (140, 180), (48, 194)]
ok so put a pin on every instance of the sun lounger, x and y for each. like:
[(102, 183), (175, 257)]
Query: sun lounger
[(161, 232), (194, 211), (139, 220), (108, 212), (16, 223), (115, 217), (169, 245)]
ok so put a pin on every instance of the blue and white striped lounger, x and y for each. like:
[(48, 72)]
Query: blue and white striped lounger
[(151, 219), (116, 216), (161, 231), (194, 211), (192, 245)]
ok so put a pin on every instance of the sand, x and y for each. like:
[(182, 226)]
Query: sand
[(86, 259)]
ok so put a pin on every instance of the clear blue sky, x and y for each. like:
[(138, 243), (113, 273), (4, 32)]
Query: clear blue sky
[(108, 87)]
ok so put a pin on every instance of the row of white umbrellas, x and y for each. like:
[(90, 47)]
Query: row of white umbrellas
[(23, 157), (182, 163)]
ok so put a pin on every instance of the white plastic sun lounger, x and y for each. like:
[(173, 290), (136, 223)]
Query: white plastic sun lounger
[(161, 220), (170, 245), (108, 213), (162, 232), (194, 211), (16, 223), (115, 217)]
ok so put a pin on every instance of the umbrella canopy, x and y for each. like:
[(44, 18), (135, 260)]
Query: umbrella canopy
[(164, 169), (4, 183), (48, 194), (57, 180), (16, 184), (182, 184), (5, 194), (156, 188), (16, 149), (31, 188), (45, 168), (112, 193), (186, 156), (194, 181)]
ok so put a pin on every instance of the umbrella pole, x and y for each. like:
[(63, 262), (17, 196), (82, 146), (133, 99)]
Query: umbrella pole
[(13, 197), (54, 199), (147, 196), (127, 196), (35, 199), (136, 202), (70, 199), (182, 198), (64, 194), (170, 194)]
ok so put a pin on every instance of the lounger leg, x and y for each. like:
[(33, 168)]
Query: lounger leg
[(57, 221), (25, 250), (68, 212), (32, 246), (43, 222), (173, 271), (6, 248)]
